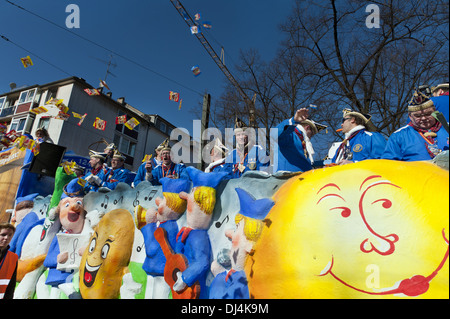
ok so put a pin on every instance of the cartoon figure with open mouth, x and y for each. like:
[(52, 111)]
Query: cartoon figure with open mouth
[(107, 256)]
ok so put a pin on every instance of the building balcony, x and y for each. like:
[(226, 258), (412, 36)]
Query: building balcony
[(25, 107), (7, 111)]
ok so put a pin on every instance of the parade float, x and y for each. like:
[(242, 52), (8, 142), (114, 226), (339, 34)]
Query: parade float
[(373, 229)]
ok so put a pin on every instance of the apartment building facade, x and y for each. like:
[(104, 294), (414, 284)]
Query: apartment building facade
[(15, 109)]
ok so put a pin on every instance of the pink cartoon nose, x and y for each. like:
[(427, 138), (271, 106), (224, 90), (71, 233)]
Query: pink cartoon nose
[(383, 245)]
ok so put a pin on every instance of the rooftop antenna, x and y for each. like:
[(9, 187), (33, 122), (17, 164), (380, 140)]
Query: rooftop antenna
[(109, 64)]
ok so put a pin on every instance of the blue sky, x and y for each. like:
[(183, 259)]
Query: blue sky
[(151, 33)]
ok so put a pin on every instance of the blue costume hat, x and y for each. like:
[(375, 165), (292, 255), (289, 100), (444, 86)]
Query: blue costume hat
[(200, 178), (251, 207), (170, 185), (72, 189), (30, 197)]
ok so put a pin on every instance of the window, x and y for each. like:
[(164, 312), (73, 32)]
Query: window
[(6, 108), (162, 127), (21, 124), (43, 123), (51, 93), (126, 147), (29, 124), (126, 140), (13, 127), (18, 125), (131, 133), (27, 96), (134, 133)]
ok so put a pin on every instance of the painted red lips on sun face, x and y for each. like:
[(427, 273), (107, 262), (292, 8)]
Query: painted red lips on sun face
[(412, 287), (384, 246)]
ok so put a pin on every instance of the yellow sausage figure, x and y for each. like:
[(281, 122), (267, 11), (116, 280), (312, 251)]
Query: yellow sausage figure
[(105, 260)]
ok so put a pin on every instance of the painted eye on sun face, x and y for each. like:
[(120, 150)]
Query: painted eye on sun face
[(345, 211), (386, 203)]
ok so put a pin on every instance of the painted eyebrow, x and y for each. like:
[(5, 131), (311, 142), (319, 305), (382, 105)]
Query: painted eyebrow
[(110, 239), (368, 178), (336, 195), (329, 185)]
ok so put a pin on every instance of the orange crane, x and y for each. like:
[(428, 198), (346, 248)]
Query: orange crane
[(200, 36)]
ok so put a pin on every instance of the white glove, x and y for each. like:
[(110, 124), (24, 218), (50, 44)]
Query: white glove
[(94, 179), (180, 284), (129, 288)]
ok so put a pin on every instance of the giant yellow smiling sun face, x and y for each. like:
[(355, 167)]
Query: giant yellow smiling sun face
[(374, 229)]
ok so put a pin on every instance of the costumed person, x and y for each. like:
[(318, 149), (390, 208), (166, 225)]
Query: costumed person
[(218, 154), (169, 209), (295, 150), (24, 206), (43, 136), (109, 151), (359, 144), (423, 138), (144, 172), (156, 160), (96, 162), (232, 284), (193, 239), (168, 168), (114, 175), (440, 99), (72, 218), (247, 155), (24, 219), (8, 262), (78, 170)]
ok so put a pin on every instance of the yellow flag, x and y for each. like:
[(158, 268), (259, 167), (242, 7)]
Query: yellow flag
[(77, 115), (81, 182), (147, 158), (26, 61), (99, 124), (132, 123), (54, 101), (38, 110)]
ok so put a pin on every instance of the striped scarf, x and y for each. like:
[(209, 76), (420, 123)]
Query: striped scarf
[(344, 144)]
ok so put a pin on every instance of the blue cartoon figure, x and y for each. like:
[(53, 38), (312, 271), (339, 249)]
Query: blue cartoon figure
[(193, 240), (165, 216), (232, 284)]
